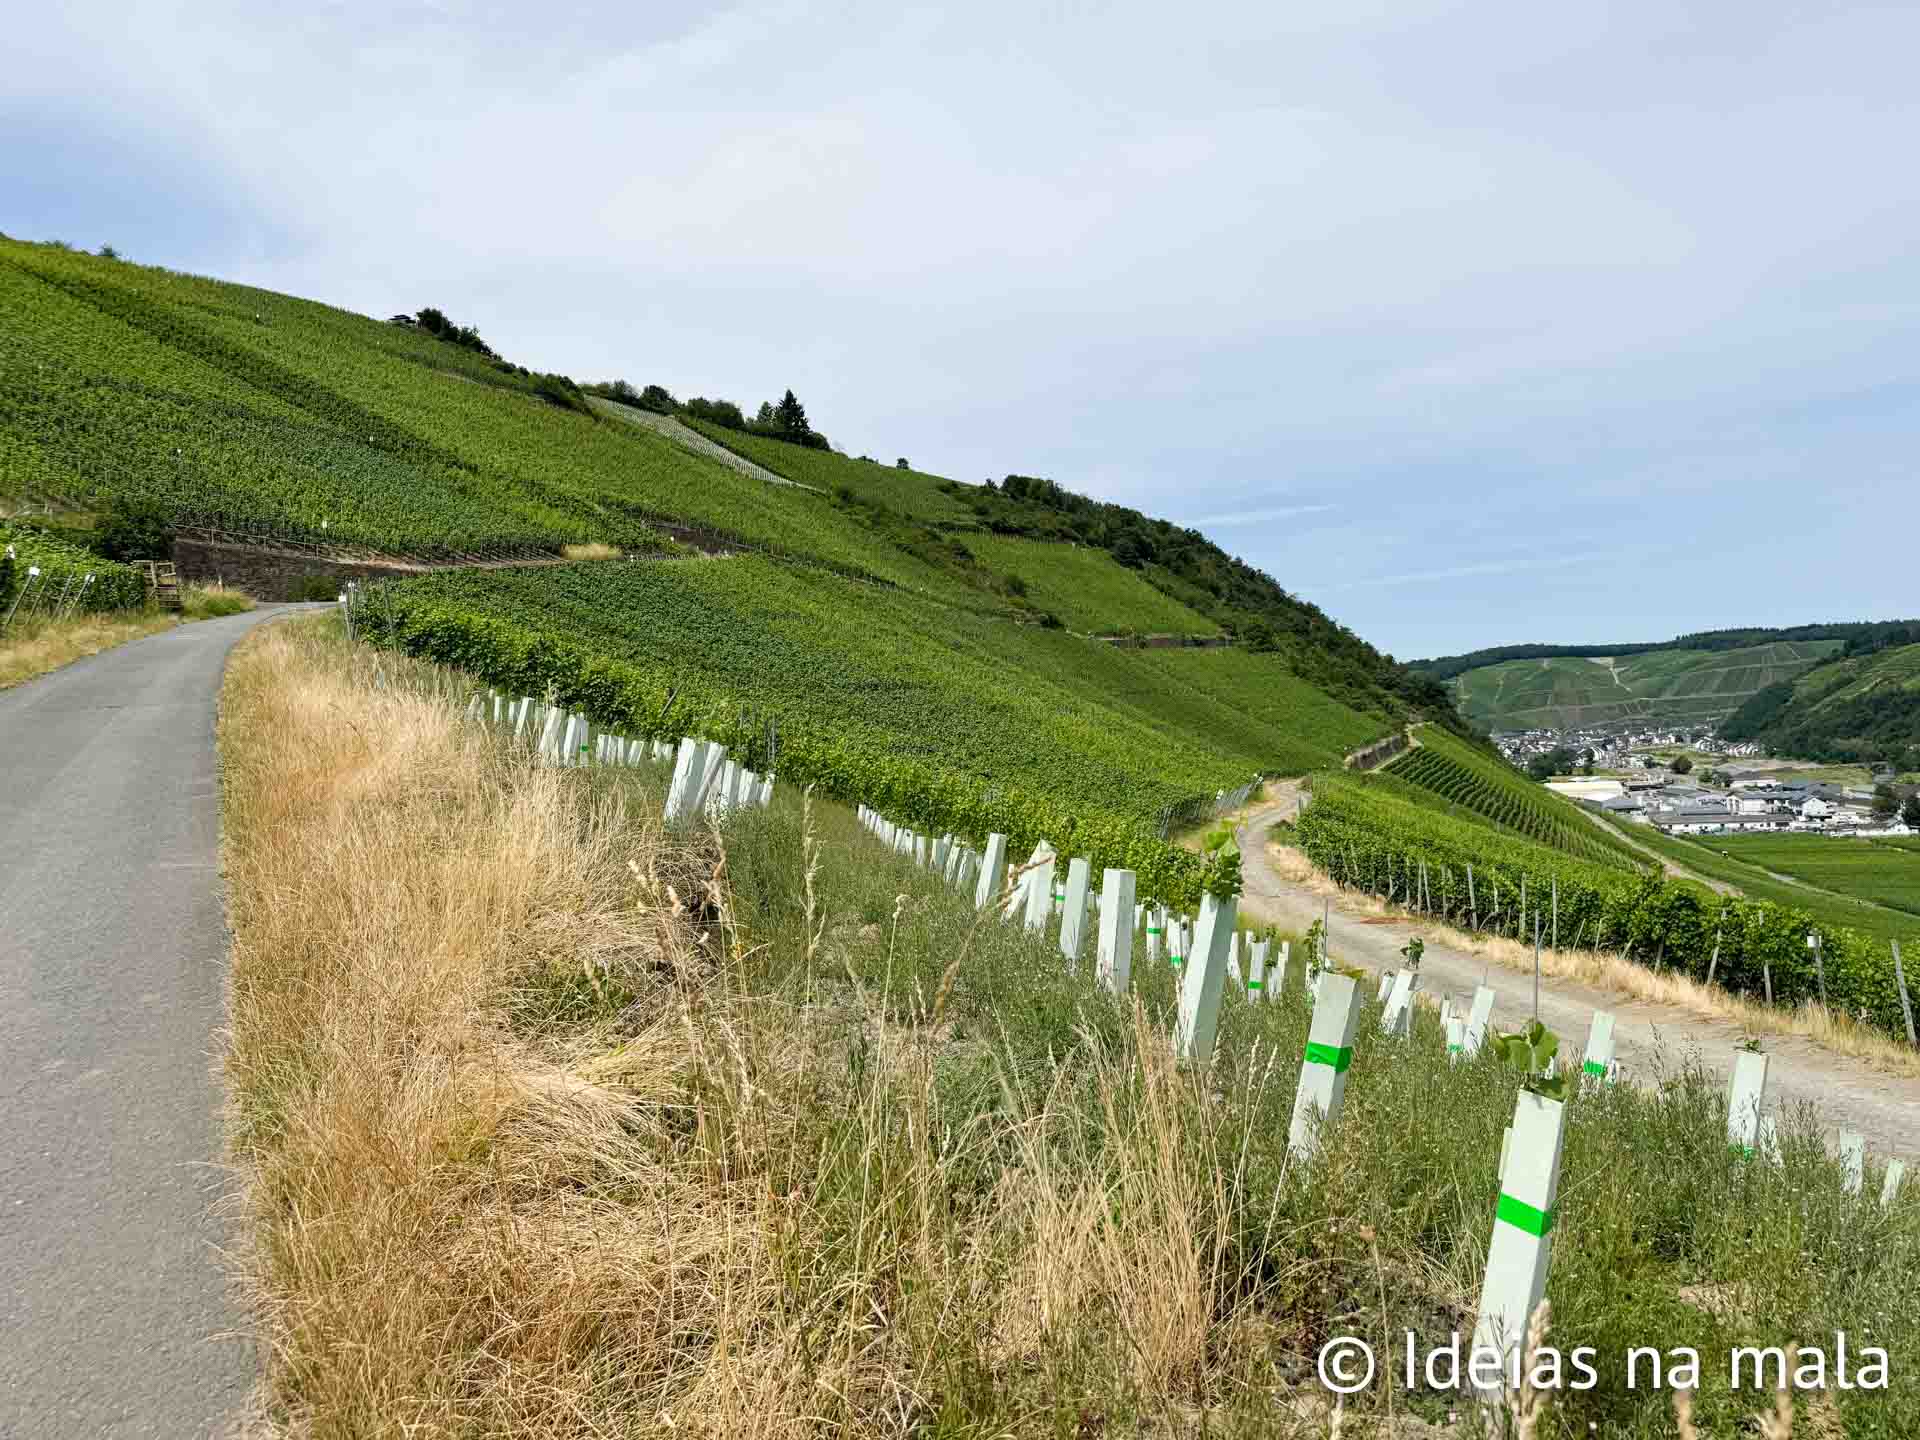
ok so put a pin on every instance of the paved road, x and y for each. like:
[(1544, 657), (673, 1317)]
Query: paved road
[(1848, 1094), (112, 951)]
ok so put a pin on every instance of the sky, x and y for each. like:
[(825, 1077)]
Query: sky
[(1472, 324)]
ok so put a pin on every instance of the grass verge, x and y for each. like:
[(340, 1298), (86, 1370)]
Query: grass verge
[(550, 1122), (35, 645)]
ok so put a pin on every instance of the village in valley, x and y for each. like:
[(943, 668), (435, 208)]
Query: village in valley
[(1686, 781)]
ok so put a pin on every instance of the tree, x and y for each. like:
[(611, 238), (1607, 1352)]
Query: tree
[(1681, 765), (1910, 812), (901, 464), (790, 416), (658, 398), (1259, 637), (134, 530), (1885, 802), (107, 252), (1557, 761), (765, 419)]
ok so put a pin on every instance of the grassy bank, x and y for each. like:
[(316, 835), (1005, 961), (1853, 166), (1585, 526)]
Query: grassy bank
[(551, 1123), (37, 644)]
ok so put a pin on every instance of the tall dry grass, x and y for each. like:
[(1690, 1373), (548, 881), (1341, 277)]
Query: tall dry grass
[(470, 1224), (550, 1123), (37, 644)]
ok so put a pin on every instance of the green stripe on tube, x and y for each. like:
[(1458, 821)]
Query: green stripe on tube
[(1523, 1216), (1339, 1059)]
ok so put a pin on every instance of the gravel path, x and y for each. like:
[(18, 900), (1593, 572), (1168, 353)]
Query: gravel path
[(114, 1320), (1847, 1093)]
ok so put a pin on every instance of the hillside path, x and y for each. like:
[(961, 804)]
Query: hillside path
[(114, 1318), (691, 439), (1847, 1093)]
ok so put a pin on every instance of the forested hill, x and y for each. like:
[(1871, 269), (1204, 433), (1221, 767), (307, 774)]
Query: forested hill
[(1862, 706), (1863, 632)]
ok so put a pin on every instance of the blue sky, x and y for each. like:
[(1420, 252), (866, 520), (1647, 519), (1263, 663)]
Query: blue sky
[(1475, 324)]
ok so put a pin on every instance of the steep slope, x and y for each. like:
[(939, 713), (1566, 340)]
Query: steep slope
[(1677, 686), (268, 418), (1461, 777), (1855, 708), (944, 716)]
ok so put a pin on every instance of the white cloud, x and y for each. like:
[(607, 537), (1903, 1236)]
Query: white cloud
[(1257, 515), (1429, 261)]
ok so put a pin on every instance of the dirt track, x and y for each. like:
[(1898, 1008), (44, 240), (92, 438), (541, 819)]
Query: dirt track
[(1847, 1093)]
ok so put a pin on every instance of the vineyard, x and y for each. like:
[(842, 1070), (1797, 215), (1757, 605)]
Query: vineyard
[(916, 495), (1375, 833), (1863, 869), (1087, 588), (945, 718), (247, 411), (63, 570), (1677, 684), (1464, 777)]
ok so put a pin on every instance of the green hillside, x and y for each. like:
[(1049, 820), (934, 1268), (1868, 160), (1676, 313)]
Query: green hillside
[(938, 713), (1461, 777), (1086, 588), (254, 412), (1565, 692), (1855, 708), (917, 496)]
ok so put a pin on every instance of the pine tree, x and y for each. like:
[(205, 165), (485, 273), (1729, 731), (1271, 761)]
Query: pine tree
[(791, 416)]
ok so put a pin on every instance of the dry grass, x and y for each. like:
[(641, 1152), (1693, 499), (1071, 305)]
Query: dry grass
[(204, 602), (1606, 971), (39, 644), (548, 1123), (642, 1221), (595, 550), (33, 647)]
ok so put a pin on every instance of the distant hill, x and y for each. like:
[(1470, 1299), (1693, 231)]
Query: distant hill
[(1569, 692), (1446, 667), (1860, 707), (1691, 678)]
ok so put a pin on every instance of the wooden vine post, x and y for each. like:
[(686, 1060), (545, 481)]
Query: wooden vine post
[(1473, 904)]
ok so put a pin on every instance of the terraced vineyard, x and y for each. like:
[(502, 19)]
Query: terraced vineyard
[(1860, 707), (943, 717), (1464, 778), (1570, 692)]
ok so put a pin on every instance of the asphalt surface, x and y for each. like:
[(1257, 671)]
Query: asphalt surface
[(114, 1314), (1649, 1039)]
